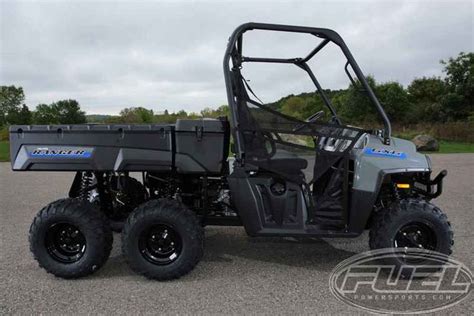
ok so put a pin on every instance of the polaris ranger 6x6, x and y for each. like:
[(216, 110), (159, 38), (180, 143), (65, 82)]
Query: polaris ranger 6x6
[(289, 177)]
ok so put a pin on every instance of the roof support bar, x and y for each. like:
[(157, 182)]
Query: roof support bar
[(327, 34), (269, 60), (320, 90), (316, 50), (346, 69)]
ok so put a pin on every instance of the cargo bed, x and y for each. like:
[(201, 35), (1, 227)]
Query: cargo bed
[(191, 146)]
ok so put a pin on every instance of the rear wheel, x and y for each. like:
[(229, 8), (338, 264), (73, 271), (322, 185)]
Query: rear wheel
[(70, 238), (162, 240)]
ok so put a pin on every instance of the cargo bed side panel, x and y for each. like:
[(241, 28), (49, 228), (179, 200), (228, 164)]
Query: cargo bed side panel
[(92, 147)]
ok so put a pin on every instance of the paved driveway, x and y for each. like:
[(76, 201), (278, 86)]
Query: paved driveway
[(238, 274)]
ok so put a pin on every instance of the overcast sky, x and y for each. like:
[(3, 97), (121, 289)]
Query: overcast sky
[(168, 55)]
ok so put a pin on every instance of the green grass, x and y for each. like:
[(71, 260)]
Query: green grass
[(4, 151), (445, 147), (451, 147)]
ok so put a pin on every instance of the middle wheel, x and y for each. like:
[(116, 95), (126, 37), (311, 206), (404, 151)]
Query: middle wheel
[(162, 239)]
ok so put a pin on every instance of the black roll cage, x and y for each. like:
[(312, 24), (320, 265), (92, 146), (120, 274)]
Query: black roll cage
[(234, 53)]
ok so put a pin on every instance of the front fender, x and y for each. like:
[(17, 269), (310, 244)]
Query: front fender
[(372, 163)]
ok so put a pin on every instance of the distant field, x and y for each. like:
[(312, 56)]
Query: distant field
[(445, 147)]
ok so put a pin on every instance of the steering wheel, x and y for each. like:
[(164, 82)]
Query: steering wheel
[(314, 117), (268, 139)]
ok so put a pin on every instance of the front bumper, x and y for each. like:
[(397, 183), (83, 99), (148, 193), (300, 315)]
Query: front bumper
[(430, 188)]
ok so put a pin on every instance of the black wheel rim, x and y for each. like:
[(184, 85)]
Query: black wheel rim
[(416, 235), (160, 244), (65, 242)]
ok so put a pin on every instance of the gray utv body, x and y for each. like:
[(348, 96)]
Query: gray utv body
[(268, 191)]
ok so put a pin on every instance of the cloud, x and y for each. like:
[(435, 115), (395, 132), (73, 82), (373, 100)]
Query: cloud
[(164, 55)]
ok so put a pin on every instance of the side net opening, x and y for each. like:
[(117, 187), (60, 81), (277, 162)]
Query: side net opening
[(313, 154)]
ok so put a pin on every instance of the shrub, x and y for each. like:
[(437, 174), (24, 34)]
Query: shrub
[(453, 131), (458, 131)]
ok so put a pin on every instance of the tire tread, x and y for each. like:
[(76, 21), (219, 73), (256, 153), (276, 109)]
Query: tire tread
[(174, 212), (406, 207), (95, 220)]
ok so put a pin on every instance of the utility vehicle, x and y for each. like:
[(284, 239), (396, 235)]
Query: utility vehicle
[(288, 177)]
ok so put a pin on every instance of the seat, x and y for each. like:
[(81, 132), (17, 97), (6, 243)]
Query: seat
[(283, 161), (287, 161)]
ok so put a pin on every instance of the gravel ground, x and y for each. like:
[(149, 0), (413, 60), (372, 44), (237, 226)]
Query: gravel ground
[(237, 275)]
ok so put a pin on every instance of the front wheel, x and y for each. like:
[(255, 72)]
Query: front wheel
[(162, 240), (409, 224)]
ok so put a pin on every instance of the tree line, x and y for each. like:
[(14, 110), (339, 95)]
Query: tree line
[(426, 99), (13, 110)]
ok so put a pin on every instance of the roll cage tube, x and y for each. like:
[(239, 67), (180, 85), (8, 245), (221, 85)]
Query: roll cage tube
[(234, 53)]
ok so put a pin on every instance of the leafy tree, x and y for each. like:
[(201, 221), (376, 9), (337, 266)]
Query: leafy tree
[(460, 80), (453, 108), (45, 114), (221, 111), (113, 119), (460, 75), (60, 112), (302, 107), (394, 99), (69, 112), (294, 106), (207, 112), (21, 116), (11, 109), (425, 95), (354, 105), (338, 100), (170, 118), (182, 114), (136, 115), (426, 90)]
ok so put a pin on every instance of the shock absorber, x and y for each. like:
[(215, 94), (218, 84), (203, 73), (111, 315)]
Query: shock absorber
[(396, 193), (86, 183)]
